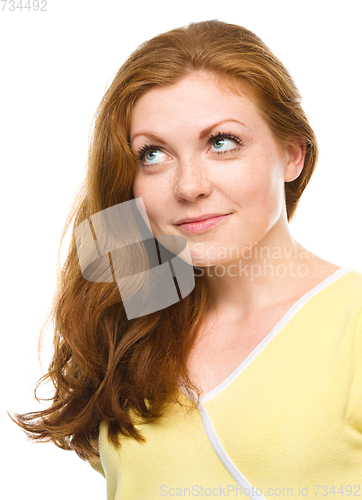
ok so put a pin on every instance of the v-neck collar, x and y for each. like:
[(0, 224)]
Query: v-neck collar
[(207, 423), (292, 311)]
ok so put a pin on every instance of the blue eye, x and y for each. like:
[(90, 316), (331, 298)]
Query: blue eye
[(150, 155), (222, 143)]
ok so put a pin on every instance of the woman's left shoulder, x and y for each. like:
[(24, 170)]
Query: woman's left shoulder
[(342, 298), (348, 283)]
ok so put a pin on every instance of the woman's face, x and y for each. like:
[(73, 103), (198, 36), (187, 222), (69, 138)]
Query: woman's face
[(204, 150)]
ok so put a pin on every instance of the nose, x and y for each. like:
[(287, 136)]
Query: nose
[(191, 180)]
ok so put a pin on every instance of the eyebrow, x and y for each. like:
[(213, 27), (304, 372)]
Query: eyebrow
[(203, 133)]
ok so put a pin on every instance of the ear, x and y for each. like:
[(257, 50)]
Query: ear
[(295, 156)]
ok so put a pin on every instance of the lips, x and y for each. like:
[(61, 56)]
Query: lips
[(201, 226), (199, 218)]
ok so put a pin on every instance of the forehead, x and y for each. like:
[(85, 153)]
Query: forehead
[(198, 80), (197, 98)]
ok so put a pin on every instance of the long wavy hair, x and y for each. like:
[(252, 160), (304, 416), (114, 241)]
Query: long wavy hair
[(105, 367)]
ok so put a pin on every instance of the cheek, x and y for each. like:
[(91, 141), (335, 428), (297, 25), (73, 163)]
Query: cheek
[(142, 189), (259, 191), (251, 185), (264, 179), (271, 199), (151, 199), (137, 187)]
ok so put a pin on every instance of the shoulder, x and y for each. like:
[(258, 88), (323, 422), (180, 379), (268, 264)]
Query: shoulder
[(333, 311), (345, 288), (345, 299)]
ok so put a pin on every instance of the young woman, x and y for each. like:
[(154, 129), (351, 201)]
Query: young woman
[(251, 384)]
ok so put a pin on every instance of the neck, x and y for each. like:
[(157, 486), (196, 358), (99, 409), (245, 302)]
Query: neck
[(263, 274)]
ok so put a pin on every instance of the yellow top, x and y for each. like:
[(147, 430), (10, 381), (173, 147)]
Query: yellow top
[(287, 422)]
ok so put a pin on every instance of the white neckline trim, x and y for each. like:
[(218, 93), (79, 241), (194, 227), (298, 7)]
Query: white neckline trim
[(241, 480), (278, 327)]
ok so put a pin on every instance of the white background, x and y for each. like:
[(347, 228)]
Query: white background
[(55, 67)]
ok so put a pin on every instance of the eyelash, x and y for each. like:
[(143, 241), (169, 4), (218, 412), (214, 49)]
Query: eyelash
[(213, 138), (232, 137)]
